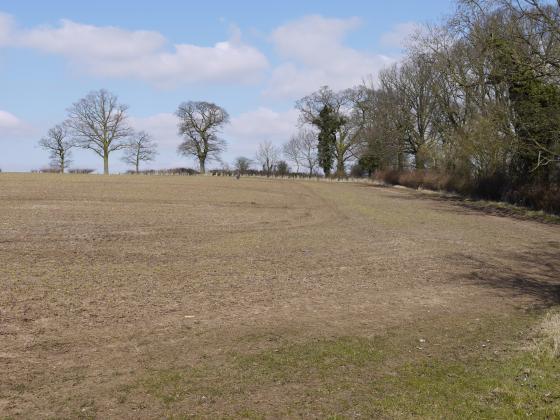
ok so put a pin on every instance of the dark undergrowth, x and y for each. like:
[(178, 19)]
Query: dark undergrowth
[(497, 188)]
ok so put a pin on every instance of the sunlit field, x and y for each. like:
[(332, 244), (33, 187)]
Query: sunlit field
[(139, 296)]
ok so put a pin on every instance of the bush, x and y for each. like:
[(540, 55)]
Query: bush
[(537, 197), (491, 187), (390, 176), (81, 171), (282, 168), (181, 171), (171, 171), (45, 171), (495, 187), (357, 171), (411, 179)]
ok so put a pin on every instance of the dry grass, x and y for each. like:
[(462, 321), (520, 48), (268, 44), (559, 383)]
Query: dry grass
[(150, 297), (547, 341)]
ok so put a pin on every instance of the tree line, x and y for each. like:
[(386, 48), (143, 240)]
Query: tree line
[(477, 99), (474, 104), (98, 122), (474, 107)]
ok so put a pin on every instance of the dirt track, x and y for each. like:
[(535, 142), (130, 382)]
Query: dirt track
[(108, 283)]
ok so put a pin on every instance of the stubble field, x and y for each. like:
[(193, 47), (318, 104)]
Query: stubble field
[(178, 297)]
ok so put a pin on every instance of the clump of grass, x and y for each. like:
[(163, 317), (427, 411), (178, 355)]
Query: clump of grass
[(503, 208), (547, 341)]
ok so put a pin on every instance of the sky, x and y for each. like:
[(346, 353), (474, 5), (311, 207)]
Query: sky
[(255, 59)]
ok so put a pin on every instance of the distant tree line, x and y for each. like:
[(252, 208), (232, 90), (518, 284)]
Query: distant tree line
[(98, 122), (474, 107)]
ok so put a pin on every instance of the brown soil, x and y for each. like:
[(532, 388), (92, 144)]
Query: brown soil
[(109, 281)]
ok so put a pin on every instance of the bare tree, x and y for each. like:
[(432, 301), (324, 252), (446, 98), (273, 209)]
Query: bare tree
[(302, 150), (267, 155), (309, 150), (200, 125), (292, 151), (141, 148), (99, 123), (242, 164), (413, 84), (58, 144)]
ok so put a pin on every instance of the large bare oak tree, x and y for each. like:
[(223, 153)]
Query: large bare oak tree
[(99, 123), (200, 124)]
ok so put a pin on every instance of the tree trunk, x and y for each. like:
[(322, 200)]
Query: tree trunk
[(400, 160), (106, 163), (137, 167), (419, 162), (340, 172), (202, 165), (62, 164)]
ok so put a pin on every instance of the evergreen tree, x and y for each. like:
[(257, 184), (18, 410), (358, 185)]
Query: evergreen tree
[(328, 122), (535, 103)]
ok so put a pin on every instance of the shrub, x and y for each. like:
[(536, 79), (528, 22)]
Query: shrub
[(181, 171), (45, 171), (171, 171), (390, 176), (537, 197), (411, 179), (357, 171), (495, 187), (81, 171), (491, 187), (282, 168)]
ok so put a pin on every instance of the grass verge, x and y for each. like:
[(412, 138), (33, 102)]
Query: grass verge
[(369, 377)]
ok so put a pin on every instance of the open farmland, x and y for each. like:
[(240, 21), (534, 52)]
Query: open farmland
[(145, 297)]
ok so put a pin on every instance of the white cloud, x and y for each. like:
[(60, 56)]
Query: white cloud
[(311, 40), (248, 129), (6, 28), (108, 51), (8, 120), (12, 127), (399, 35), (225, 62), (91, 43), (315, 55), (163, 128)]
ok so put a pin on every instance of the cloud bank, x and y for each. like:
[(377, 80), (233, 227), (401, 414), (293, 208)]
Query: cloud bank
[(315, 54), (107, 51)]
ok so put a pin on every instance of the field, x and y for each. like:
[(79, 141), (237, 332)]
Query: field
[(178, 297)]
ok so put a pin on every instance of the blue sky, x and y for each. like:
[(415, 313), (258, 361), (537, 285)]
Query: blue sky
[(253, 58)]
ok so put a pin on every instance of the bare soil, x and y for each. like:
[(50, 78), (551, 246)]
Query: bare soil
[(150, 297)]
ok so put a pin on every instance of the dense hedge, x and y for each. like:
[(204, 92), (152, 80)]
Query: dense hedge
[(496, 187)]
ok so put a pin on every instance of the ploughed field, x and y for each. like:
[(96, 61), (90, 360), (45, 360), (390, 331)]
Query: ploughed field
[(172, 297)]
